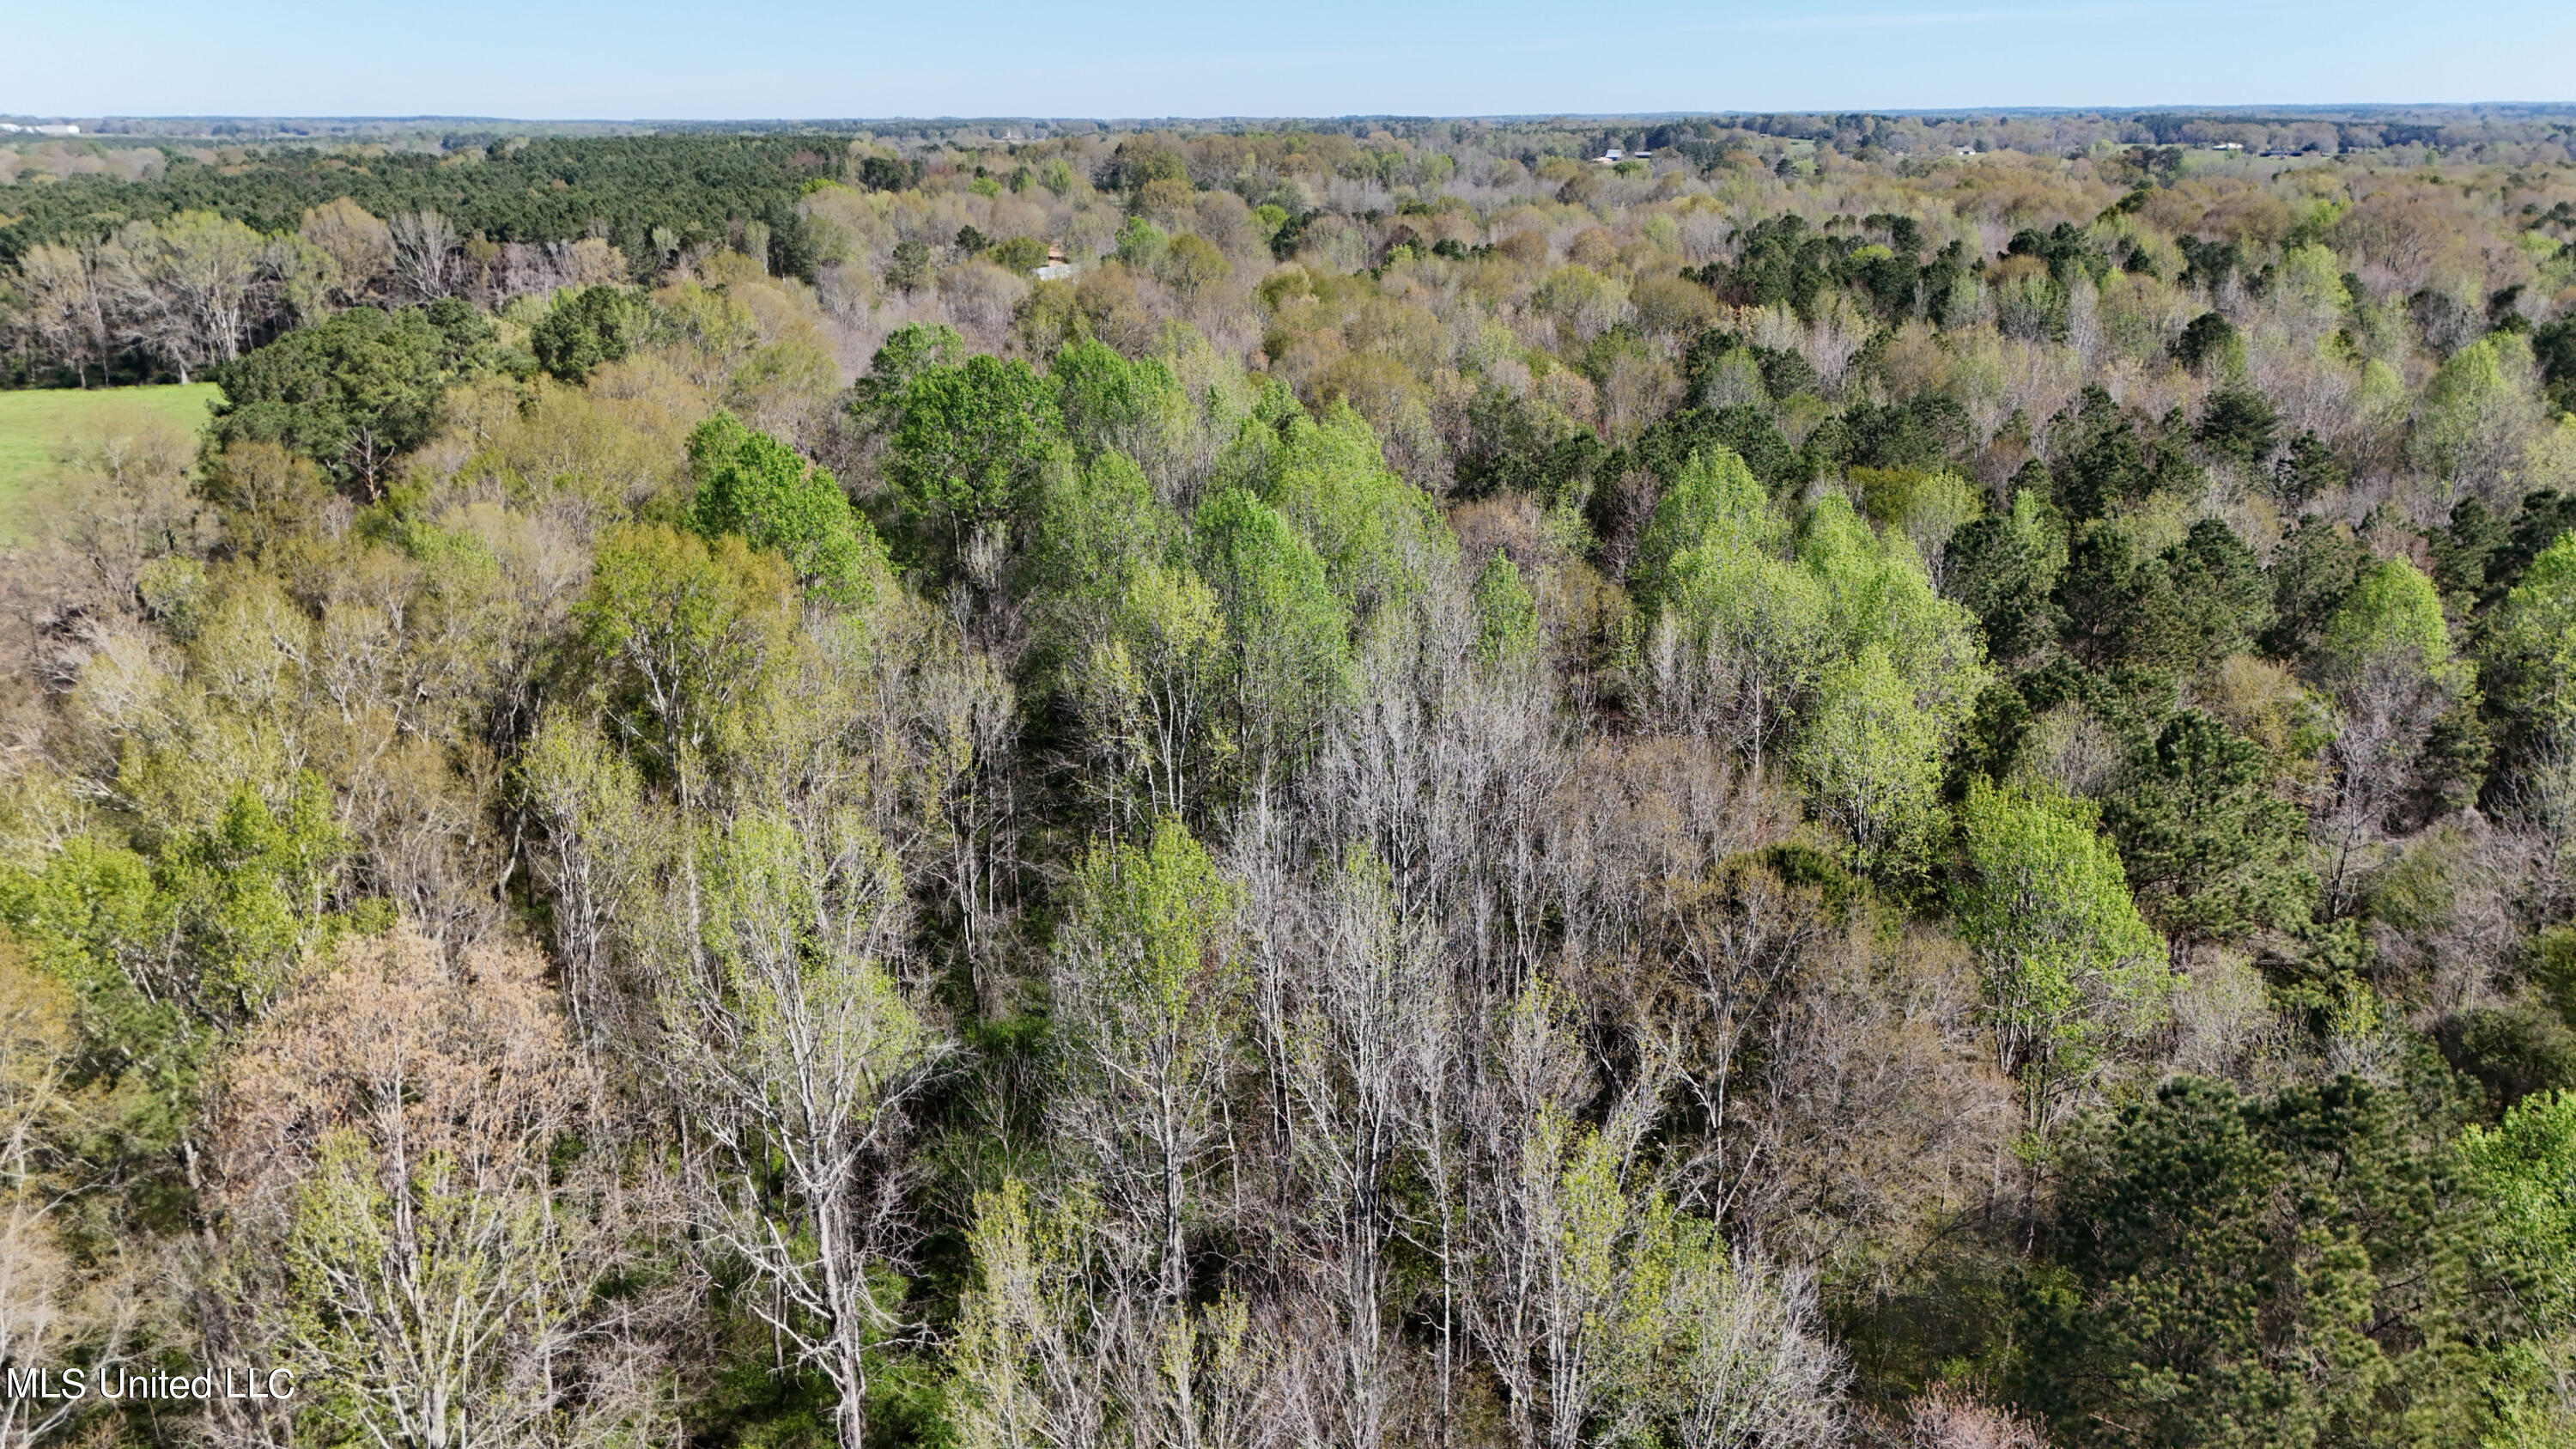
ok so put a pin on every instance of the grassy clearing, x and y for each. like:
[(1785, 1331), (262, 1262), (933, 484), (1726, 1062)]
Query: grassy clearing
[(38, 425)]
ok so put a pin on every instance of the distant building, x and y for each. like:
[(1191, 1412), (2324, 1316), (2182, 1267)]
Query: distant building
[(2226, 145)]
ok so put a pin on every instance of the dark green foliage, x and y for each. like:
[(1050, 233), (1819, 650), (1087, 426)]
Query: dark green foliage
[(2553, 346), (1515, 444), (2067, 250), (876, 400), (2307, 470), (1748, 432), (908, 267), (2207, 838), (751, 484), (2546, 515), (544, 190), (1996, 733), (2207, 263), (590, 327), (2198, 602), (1927, 432), (1784, 373), (2204, 337), (2512, 1051), (356, 390), (889, 173), (1904, 233), (1780, 260), (2460, 548), (2238, 423), (2292, 1271), (2107, 459), (2221, 587), (2314, 569), (2004, 568)]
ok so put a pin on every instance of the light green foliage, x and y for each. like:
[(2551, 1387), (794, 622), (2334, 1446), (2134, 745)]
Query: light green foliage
[(1289, 632), (431, 1280), (1150, 993), (1716, 503), (1152, 687), (1846, 636), (679, 631), (2525, 1168), (796, 923), (1109, 402), (751, 484), (2071, 969), (2530, 648), (1097, 523), (1927, 507), (1878, 593), (1870, 760), (1380, 537), (2394, 616), (2477, 413), (1506, 614), (1191, 264), (165, 952), (1141, 243)]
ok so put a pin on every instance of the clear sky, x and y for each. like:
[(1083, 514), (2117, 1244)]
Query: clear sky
[(556, 59)]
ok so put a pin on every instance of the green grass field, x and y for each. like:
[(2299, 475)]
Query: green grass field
[(37, 425)]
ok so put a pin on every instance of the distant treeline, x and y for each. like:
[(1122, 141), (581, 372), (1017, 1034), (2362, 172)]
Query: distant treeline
[(618, 188)]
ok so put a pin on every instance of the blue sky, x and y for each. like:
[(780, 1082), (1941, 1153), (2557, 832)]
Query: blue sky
[(547, 59)]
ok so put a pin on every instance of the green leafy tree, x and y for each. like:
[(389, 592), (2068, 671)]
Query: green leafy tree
[(2071, 969), (2529, 656), (1507, 626), (1191, 264), (1870, 760), (876, 400), (1380, 537), (1109, 401), (1154, 690), (357, 390), (679, 632), (2393, 615), (1150, 995), (589, 327), (1289, 634), (968, 451), (752, 485), (1714, 501)]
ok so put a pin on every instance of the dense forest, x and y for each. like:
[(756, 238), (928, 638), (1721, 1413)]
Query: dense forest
[(1727, 784)]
